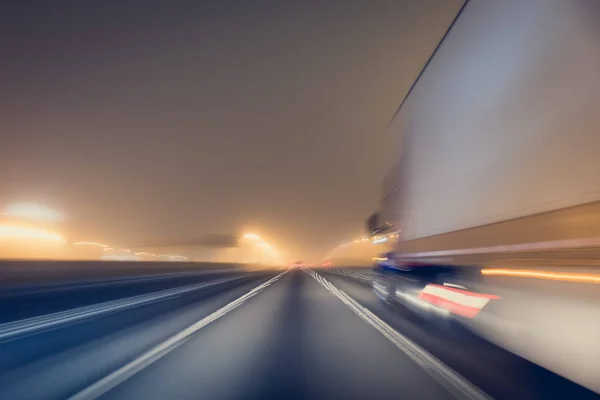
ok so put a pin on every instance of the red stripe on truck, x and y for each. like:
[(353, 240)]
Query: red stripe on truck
[(457, 301)]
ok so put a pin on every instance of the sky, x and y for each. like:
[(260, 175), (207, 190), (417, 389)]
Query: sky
[(164, 120)]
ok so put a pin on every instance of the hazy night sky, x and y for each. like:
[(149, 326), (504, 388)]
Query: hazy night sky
[(169, 119)]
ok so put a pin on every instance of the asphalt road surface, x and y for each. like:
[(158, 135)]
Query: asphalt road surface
[(298, 335)]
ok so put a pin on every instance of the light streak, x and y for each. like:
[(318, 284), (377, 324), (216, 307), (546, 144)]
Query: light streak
[(551, 275)]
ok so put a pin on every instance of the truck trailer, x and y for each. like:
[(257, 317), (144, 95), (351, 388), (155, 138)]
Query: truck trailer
[(495, 193)]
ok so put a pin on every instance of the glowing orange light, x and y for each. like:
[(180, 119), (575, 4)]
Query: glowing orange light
[(21, 233), (32, 211), (551, 275)]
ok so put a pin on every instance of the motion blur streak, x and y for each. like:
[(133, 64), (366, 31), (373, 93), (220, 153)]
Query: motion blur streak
[(556, 276), (139, 336), (41, 323)]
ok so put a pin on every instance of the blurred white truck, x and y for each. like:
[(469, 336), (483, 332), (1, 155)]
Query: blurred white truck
[(496, 192)]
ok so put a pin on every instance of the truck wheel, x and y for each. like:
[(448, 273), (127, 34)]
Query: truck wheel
[(391, 292), (384, 289)]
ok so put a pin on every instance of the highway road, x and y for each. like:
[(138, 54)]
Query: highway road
[(269, 335), (24, 301)]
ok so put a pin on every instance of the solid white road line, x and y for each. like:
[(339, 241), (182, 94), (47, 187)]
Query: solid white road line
[(128, 370), (447, 377), (11, 330)]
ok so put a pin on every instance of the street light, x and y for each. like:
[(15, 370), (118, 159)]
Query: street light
[(90, 244), (252, 236), (261, 250), (33, 212), (24, 232)]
